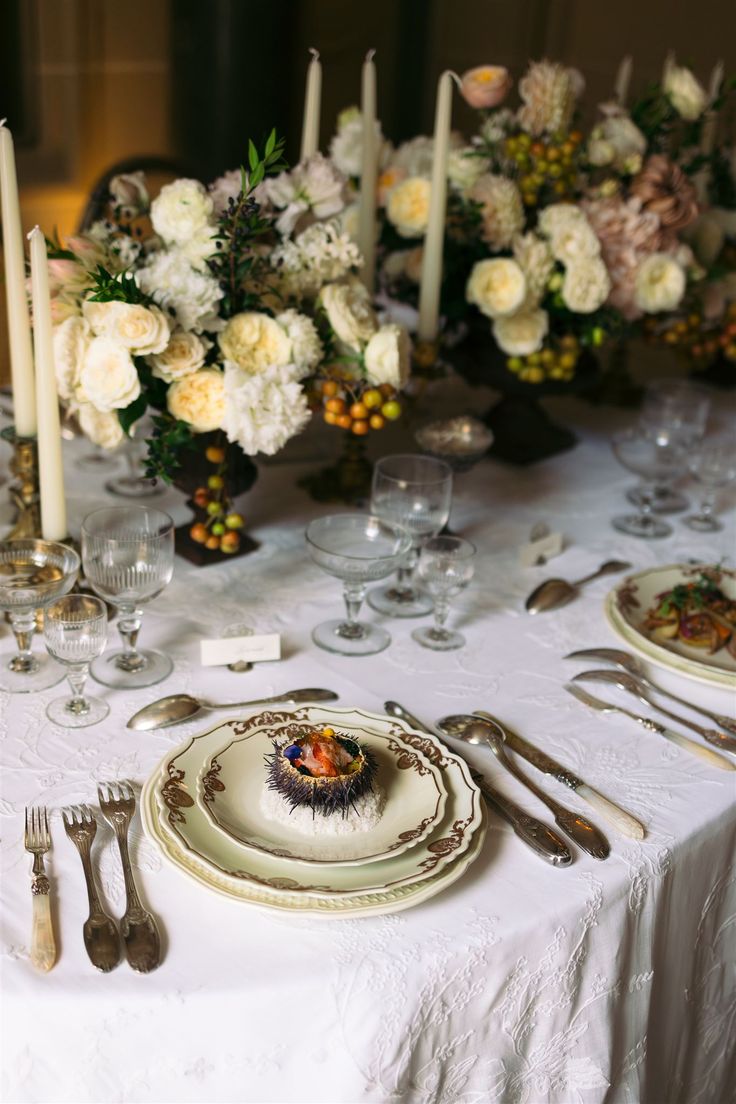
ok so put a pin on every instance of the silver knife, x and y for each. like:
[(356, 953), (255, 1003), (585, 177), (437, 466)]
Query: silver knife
[(618, 817)]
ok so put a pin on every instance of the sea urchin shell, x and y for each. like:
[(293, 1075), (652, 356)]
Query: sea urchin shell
[(326, 795)]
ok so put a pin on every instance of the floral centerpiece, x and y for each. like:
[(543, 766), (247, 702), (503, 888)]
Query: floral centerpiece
[(229, 313)]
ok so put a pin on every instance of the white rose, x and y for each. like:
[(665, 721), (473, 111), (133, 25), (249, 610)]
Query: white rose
[(306, 347), (586, 285), (108, 378), (521, 334), (181, 210), (255, 341), (496, 287), (465, 167), (600, 151), (142, 330), (349, 312), (183, 355), (71, 339), (408, 206), (660, 284), (199, 399), (100, 427), (686, 94), (571, 236), (388, 356)]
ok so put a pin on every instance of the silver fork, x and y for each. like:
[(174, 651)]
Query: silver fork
[(137, 927), (37, 840), (101, 938)]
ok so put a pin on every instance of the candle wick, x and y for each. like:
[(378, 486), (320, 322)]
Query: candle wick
[(314, 53), (36, 230), (370, 55)]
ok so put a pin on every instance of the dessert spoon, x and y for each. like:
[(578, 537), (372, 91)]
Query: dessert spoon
[(553, 593), (180, 707)]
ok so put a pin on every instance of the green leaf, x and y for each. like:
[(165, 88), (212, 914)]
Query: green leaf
[(270, 143), (132, 413), (253, 158)]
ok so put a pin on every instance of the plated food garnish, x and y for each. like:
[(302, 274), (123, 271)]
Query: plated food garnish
[(696, 613), (323, 771)]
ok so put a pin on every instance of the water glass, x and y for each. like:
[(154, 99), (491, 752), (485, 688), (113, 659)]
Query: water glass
[(656, 464), (75, 631), (713, 465), (673, 412), (128, 558), (414, 493), (445, 567)]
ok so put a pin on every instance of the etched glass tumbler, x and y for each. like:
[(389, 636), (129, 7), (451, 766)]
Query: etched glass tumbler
[(713, 465), (446, 566), (75, 631), (656, 464), (128, 558)]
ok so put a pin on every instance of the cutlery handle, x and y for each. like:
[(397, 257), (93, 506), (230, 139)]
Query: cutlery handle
[(626, 824), (684, 742), (717, 718), (543, 841), (43, 944)]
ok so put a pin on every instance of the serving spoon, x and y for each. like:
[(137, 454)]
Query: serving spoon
[(492, 735), (553, 593), (180, 707)]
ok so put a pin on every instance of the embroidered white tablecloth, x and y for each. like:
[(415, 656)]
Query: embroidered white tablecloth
[(606, 981)]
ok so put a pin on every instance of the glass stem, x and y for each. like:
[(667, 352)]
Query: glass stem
[(76, 677), (707, 504), (24, 626), (647, 494), (129, 624), (405, 574), (353, 593), (441, 612)]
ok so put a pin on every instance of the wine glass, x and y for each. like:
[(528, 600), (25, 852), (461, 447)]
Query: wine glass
[(655, 463), (33, 573), (75, 631), (414, 493), (713, 465), (133, 484), (445, 567), (358, 549), (674, 411), (128, 557)]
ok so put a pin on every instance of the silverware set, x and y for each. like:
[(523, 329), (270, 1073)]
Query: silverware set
[(102, 939)]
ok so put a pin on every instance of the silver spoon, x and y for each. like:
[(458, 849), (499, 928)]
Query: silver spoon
[(553, 593), (491, 734), (180, 707), (535, 833), (633, 686), (626, 662)]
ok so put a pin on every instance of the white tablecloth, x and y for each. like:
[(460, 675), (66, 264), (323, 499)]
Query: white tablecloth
[(606, 981)]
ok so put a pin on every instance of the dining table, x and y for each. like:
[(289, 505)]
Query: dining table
[(609, 981)]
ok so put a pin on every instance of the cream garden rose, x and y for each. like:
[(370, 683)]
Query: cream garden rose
[(184, 354), (388, 356), (349, 312), (71, 339), (685, 92), (586, 285), (255, 341), (408, 206), (108, 378), (523, 333), (660, 284), (102, 427), (199, 399), (496, 287), (142, 330)]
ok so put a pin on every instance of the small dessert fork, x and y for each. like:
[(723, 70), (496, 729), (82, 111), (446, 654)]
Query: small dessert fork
[(37, 841), (101, 939), (138, 927)]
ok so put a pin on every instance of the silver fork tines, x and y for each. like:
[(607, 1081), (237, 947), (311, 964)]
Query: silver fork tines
[(101, 939), (37, 841)]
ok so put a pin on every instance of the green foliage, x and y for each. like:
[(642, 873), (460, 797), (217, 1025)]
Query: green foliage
[(170, 437), (118, 288), (700, 595)]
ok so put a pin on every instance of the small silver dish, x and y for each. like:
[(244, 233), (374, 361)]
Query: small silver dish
[(461, 441)]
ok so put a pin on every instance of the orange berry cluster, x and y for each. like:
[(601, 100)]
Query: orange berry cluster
[(544, 165), (219, 531), (701, 340), (353, 406)]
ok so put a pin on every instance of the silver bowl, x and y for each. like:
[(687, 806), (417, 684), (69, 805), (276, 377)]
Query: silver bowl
[(461, 441)]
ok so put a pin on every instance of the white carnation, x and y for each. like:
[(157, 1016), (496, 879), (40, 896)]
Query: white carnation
[(181, 211), (108, 378), (99, 426), (193, 296), (388, 356), (313, 186), (586, 285), (660, 283), (263, 411), (686, 94), (71, 339), (496, 287), (184, 354), (571, 236), (521, 334), (306, 347)]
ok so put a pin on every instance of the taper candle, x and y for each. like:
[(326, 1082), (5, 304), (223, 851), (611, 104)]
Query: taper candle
[(623, 80), (312, 107), (429, 292), (368, 173), (19, 325), (50, 469), (716, 79)]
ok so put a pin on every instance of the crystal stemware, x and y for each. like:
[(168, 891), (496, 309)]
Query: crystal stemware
[(133, 484), (713, 465), (445, 567), (413, 493), (673, 411), (75, 631), (655, 463), (128, 557), (33, 573), (358, 549)]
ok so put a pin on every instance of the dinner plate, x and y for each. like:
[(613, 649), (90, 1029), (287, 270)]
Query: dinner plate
[(184, 822), (231, 786), (626, 608)]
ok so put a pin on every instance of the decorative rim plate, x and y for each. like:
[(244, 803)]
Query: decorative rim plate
[(231, 782), (381, 902), (185, 824), (626, 606)]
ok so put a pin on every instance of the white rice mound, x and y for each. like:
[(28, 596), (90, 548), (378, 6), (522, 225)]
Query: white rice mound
[(362, 818)]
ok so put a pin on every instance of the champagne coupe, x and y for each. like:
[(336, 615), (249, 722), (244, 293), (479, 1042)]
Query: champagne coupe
[(673, 411), (358, 549), (128, 557), (656, 464), (445, 567), (713, 465), (75, 630), (33, 573), (414, 493)]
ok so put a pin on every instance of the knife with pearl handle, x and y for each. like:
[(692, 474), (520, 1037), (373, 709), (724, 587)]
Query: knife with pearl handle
[(684, 742), (624, 822)]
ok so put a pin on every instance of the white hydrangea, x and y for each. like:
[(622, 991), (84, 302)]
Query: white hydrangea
[(660, 283), (306, 347), (313, 186), (535, 260), (193, 296), (263, 411), (521, 334), (181, 211), (586, 285)]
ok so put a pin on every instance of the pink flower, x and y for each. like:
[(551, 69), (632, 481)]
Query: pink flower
[(486, 85)]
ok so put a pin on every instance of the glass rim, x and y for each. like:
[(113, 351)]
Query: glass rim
[(413, 456), (69, 620), (464, 547), (399, 533), (167, 528)]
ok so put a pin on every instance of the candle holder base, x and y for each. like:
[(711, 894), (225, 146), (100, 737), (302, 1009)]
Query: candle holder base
[(24, 491)]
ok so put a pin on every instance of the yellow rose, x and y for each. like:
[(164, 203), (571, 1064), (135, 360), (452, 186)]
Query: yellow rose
[(496, 287), (408, 206), (199, 399), (255, 341)]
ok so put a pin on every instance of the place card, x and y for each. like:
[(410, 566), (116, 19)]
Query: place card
[(234, 649), (539, 551)]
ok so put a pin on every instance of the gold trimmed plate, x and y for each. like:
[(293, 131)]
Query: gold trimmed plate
[(184, 823), (626, 608), (231, 784)]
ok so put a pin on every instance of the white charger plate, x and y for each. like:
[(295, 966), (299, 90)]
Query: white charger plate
[(231, 783)]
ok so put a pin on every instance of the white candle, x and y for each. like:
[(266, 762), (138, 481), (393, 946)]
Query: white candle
[(50, 470), (19, 326), (716, 78), (369, 170), (312, 105), (623, 80), (429, 292), (669, 61)]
